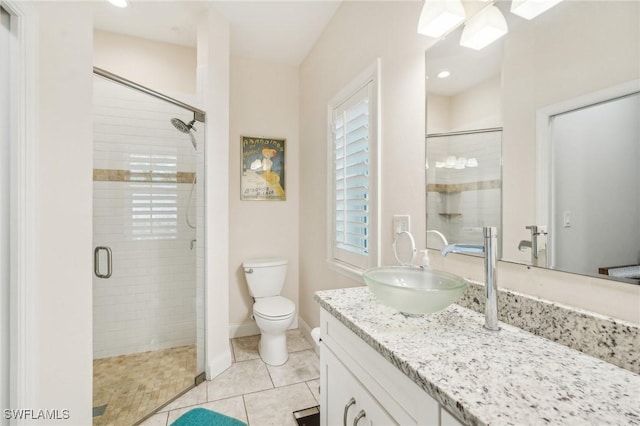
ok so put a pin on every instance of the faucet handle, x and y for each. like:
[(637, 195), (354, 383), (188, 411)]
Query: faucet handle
[(537, 229)]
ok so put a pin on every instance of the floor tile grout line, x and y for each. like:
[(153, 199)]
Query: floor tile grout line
[(269, 373), (246, 412)]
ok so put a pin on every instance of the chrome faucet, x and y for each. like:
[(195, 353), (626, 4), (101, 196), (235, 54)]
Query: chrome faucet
[(532, 244), (489, 250), (524, 244)]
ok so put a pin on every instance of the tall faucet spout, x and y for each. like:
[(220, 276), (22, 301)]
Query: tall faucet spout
[(491, 282), (489, 249), (462, 248)]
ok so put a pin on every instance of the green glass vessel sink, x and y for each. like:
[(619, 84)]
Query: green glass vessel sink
[(414, 290)]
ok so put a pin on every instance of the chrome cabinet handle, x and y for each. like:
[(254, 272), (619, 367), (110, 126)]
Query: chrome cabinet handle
[(96, 262), (359, 417), (351, 402)]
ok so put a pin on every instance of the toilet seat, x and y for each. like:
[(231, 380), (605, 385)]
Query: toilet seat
[(274, 307)]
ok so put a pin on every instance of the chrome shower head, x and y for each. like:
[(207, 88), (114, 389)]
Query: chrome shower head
[(185, 128), (182, 126)]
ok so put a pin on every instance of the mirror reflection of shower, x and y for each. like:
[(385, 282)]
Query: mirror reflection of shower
[(187, 128)]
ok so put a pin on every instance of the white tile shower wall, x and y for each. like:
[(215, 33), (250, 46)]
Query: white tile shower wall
[(477, 208), (149, 301)]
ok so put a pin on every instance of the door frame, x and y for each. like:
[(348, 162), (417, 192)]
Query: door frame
[(22, 225)]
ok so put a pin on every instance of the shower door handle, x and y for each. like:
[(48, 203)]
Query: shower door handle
[(96, 262)]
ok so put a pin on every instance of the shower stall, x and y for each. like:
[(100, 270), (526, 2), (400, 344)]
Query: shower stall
[(148, 234), (464, 184)]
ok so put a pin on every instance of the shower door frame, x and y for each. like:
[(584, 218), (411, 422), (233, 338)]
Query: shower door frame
[(200, 116)]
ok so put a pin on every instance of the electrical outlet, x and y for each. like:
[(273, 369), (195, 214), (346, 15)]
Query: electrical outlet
[(401, 222)]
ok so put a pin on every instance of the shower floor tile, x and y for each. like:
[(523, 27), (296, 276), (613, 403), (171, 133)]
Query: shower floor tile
[(132, 386)]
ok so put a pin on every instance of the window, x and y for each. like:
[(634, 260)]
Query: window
[(353, 140)]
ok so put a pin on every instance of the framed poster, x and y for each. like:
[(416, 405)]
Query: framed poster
[(263, 163)]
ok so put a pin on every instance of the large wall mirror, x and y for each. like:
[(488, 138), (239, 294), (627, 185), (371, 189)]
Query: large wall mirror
[(538, 133)]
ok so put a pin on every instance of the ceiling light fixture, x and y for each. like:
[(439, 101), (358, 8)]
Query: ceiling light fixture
[(444, 74), (439, 16), (484, 28), (529, 9), (118, 3)]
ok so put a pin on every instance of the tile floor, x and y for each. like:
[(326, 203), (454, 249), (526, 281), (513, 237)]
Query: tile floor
[(251, 391), (131, 386)]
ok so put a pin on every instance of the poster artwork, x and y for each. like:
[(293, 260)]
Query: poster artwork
[(263, 175)]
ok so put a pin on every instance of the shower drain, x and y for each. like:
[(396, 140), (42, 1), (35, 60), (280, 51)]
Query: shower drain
[(98, 411)]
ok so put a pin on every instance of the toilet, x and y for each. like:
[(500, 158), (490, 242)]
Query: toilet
[(272, 312)]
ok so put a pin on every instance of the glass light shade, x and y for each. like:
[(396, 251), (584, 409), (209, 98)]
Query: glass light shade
[(118, 3), (450, 162), (439, 16), (484, 28), (529, 9)]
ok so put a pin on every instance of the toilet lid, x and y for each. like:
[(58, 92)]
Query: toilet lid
[(273, 307)]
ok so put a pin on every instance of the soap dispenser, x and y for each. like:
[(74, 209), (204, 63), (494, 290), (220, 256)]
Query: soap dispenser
[(424, 259)]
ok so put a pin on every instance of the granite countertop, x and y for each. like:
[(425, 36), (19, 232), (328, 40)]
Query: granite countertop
[(509, 377)]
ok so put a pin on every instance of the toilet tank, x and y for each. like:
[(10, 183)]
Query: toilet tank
[(265, 277)]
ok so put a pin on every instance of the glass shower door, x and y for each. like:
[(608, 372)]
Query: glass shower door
[(148, 282), (464, 184)]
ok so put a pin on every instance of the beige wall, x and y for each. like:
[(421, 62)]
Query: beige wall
[(61, 296), (478, 107), (214, 64), (264, 102), (359, 33), (164, 67)]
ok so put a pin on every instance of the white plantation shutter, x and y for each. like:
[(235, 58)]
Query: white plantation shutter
[(352, 175), (154, 196), (351, 136)]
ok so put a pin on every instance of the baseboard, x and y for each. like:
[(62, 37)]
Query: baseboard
[(219, 364), (247, 328), (306, 332), (250, 328)]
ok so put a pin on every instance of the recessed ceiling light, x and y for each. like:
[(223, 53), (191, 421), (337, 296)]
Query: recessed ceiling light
[(444, 74), (118, 3)]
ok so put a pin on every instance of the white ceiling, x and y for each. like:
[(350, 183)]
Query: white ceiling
[(278, 31)]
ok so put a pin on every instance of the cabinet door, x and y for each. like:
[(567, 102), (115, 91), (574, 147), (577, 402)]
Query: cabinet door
[(344, 399)]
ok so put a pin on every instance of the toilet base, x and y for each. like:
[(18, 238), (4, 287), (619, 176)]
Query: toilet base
[(273, 348)]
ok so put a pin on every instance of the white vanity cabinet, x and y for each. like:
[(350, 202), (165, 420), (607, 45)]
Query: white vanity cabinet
[(348, 402), (358, 387)]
